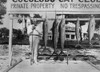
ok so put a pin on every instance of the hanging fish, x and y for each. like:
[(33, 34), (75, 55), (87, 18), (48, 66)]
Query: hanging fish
[(62, 39), (45, 33), (77, 29), (55, 33), (62, 33), (91, 28)]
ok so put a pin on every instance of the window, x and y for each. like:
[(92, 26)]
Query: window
[(72, 36), (50, 37), (67, 36)]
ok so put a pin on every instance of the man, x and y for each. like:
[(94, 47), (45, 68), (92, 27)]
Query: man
[(34, 31)]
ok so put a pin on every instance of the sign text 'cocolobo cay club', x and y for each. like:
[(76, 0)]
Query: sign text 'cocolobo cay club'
[(53, 5)]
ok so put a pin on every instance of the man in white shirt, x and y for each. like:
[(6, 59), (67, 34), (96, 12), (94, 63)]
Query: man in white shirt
[(34, 31)]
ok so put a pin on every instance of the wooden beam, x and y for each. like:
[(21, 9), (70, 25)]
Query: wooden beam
[(53, 11), (68, 19)]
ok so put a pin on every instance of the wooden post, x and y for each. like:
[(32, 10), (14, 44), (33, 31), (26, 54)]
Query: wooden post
[(77, 29), (10, 41), (23, 25)]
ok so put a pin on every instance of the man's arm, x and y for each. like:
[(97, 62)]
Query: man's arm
[(30, 29), (33, 27)]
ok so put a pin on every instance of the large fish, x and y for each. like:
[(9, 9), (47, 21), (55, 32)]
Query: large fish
[(91, 28), (77, 31), (62, 33), (45, 33), (55, 33), (62, 38)]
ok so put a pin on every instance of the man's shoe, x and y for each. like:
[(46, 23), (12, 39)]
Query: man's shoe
[(36, 63)]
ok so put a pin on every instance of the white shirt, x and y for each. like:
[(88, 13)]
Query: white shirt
[(37, 31)]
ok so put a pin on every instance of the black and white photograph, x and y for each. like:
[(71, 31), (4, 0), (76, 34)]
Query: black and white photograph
[(49, 35)]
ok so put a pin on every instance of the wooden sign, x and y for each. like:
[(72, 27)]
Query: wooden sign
[(67, 6)]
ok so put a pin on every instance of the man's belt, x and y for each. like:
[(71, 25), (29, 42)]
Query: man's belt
[(35, 35)]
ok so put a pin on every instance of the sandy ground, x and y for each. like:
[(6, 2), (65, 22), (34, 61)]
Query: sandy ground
[(19, 51), (51, 66), (3, 63)]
